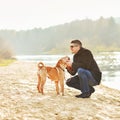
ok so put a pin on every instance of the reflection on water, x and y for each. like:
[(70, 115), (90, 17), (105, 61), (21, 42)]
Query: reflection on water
[(109, 63)]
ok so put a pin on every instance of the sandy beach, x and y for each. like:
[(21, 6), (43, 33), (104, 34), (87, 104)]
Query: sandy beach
[(20, 100)]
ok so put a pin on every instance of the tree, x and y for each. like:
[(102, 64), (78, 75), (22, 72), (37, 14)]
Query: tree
[(5, 50)]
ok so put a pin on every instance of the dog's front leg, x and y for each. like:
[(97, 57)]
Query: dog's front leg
[(57, 87), (62, 86)]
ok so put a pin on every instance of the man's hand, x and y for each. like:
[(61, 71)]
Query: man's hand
[(69, 64)]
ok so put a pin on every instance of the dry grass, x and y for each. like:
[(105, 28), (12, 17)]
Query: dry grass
[(6, 62)]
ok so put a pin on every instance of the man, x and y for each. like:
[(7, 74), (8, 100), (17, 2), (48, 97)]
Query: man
[(88, 72)]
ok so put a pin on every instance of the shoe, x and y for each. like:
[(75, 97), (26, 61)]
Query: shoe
[(77, 95), (92, 90), (84, 95)]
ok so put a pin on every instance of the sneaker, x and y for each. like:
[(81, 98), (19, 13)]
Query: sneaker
[(92, 90), (84, 95)]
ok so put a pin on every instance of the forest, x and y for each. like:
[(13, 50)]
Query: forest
[(98, 35)]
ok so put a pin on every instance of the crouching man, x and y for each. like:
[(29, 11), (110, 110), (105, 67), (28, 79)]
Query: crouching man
[(88, 72)]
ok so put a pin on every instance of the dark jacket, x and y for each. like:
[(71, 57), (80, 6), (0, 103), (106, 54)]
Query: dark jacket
[(84, 59)]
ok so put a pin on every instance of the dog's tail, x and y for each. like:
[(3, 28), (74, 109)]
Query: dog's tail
[(40, 65)]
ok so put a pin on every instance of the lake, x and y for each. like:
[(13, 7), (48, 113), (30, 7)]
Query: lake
[(109, 63)]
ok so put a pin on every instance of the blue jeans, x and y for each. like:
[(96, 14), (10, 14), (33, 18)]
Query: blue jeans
[(83, 81)]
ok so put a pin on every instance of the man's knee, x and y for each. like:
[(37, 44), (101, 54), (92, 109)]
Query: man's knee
[(68, 82), (81, 71)]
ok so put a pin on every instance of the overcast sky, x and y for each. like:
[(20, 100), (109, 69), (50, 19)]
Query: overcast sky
[(28, 14)]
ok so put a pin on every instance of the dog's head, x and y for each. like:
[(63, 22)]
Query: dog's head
[(62, 62), (66, 59)]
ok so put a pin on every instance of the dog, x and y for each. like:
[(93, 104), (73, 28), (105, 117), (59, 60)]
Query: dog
[(56, 74)]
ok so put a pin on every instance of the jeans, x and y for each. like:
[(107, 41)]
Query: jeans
[(83, 81)]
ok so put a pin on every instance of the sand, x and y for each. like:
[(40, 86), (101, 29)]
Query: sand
[(20, 100)]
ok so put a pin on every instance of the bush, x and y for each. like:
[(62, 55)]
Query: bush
[(5, 50)]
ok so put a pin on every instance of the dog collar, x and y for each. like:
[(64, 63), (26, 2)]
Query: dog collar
[(62, 69)]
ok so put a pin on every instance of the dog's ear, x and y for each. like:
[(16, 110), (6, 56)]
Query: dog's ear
[(59, 62)]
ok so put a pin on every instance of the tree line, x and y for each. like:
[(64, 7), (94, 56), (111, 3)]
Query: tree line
[(98, 35)]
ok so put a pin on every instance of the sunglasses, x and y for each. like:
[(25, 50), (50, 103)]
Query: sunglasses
[(72, 46)]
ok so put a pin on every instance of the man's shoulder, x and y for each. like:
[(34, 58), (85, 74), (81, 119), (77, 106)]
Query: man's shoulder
[(86, 50)]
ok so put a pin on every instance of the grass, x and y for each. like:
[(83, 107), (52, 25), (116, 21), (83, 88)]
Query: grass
[(6, 62)]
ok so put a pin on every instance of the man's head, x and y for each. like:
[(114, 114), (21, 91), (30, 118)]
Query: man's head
[(75, 46)]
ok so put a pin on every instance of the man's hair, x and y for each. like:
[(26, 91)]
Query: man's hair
[(77, 42)]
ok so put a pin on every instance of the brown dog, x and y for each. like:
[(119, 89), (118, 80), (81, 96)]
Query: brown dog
[(57, 74)]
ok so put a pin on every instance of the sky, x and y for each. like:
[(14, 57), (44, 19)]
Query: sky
[(29, 14)]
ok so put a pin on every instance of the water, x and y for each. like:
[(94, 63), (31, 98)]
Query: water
[(109, 63)]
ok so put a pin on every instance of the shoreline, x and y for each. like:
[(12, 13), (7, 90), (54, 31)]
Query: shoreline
[(112, 85), (19, 98)]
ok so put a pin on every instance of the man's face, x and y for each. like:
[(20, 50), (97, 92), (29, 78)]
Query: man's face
[(74, 48)]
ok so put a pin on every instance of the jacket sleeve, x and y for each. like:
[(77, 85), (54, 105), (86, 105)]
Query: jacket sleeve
[(83, 62), (71, 71)]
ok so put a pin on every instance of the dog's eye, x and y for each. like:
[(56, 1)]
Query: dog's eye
[(68, 58)]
